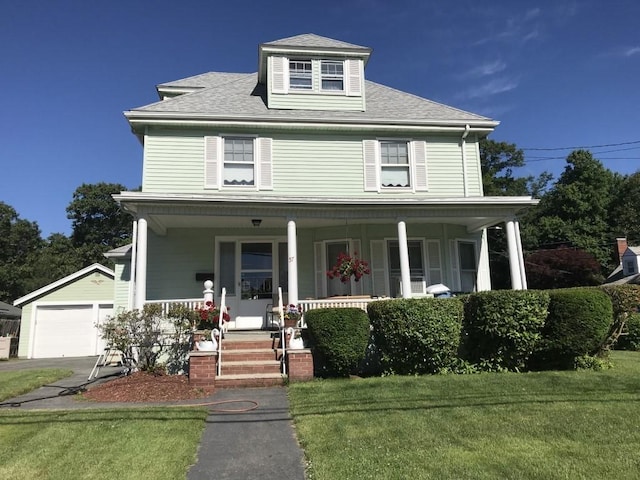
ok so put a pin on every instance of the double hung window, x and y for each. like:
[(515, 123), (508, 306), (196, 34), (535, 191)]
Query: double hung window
[(332, 75), (238, 161), (300, 77), (394, 164)]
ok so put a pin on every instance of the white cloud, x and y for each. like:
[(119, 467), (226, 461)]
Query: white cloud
[(486, 69), (631, 51), (492, 87)]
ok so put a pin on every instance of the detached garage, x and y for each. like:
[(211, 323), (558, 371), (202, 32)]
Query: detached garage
[(59, 320)]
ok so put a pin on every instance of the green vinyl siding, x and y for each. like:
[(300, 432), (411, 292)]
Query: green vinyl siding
[(173, 163), (25, 330), (315, 101), (474, 174), (122, 282), (444, 167)]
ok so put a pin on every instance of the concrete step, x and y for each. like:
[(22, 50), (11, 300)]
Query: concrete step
[(249, 380), (250, 367), (249, 355)]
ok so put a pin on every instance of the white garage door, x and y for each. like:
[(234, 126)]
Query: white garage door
[(68, 331)]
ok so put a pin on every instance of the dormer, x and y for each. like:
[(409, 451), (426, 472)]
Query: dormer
[(630, 261), (310, 72)]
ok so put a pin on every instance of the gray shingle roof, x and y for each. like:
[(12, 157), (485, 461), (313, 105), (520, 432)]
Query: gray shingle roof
[(240, 96), (314, 41)]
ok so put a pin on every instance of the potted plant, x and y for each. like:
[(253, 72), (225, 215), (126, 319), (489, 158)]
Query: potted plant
[(292, 315), (208, 341), (208, 317), (348, 266)]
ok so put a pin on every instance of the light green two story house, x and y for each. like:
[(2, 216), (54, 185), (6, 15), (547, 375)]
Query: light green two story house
[(260, 180)]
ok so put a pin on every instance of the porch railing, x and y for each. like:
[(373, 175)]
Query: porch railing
[(191, 303), (335, 302)]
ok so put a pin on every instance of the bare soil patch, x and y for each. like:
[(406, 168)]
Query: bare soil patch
[(145, 387)]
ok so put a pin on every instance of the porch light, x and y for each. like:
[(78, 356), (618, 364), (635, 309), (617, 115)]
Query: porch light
[(256, 222)]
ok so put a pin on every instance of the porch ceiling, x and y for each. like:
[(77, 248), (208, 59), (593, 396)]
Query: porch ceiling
[(164, 212)]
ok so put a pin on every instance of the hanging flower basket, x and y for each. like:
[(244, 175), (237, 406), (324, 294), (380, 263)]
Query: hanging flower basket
[(348, 266)]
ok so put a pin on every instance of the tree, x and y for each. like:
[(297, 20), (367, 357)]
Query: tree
[(625, 208), (575, 211), (98, 222), (562, 267), (19, 238), (56, 259)]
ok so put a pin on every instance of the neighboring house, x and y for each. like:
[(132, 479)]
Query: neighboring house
[(628, 271), (260, 180), (60, 319)]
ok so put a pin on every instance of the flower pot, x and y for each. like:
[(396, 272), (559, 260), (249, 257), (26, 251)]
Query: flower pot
[(290, 322), (207, 346), (296, 343)]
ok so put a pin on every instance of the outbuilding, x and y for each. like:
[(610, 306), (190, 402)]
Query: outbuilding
[(61, 319)]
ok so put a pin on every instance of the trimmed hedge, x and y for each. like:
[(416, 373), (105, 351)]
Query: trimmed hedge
[(339, 337), (503, 327), (625, 300), (630, 339), (415, 336), (578, 324)]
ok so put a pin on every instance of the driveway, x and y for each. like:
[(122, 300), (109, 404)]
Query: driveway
[(79, 365)]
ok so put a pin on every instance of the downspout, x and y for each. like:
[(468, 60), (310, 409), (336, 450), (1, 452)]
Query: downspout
[(463, 142)]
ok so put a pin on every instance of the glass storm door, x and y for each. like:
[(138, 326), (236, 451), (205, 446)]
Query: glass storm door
[(256, 283)]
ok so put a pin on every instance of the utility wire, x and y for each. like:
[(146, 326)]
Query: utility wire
[(583, 147)]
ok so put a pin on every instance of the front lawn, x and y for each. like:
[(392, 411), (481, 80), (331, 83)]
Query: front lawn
[(132, 443), (16, 383), (547, 425)]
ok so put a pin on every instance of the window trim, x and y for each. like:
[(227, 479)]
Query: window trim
[(332, 76), (474, 244), (300, 88), (254, 161), (409, 164)]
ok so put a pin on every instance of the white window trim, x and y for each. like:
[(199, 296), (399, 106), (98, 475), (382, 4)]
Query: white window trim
[(327, 76), (297, 89), (410, 166), (456, 259), (256, 162), (352, 79)]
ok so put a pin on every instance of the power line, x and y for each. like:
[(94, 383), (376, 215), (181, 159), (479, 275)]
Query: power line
[(583, 147)]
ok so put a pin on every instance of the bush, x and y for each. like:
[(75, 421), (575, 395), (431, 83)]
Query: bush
[(630, 339), (577, 325), (339, 337), (625, 300), (503, 327), (417, 336)]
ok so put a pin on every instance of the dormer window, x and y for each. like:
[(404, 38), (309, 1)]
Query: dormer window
[(300, 75), (332, 75)]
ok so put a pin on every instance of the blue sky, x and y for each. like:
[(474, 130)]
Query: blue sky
[(554, 73)]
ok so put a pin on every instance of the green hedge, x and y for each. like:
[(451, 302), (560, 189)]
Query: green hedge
[(416, 336), (578, 324), (339, 338), (630, 339), (503, 327), (625, 300)]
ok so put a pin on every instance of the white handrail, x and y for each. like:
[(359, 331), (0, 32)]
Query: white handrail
[(223, 309), (282, 334)]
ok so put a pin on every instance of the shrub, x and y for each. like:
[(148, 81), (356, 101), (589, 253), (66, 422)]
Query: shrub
[(577, 325), (417, 336), (339, 337), (503, 327), (630, 339), (625, 300)]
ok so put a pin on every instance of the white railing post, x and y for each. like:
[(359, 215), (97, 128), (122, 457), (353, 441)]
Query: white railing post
[(282, 335), (223, 309), (208, 291)]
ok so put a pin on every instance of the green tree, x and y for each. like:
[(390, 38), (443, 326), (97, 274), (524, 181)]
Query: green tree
[(56, 259), (98, 223), (625, 209), (575, 212), (19, 238)]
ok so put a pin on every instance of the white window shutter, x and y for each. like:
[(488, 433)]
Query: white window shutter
[(378, 270), (212, 160), (279, 74), (320, 269), (435, 262), (370, 155), (420, 165), (264, 159), (353, 68)]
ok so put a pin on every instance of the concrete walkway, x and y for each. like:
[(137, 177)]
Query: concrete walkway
[(257, 444)]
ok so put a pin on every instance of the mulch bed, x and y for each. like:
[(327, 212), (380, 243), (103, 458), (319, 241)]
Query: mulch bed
[(145, 387)]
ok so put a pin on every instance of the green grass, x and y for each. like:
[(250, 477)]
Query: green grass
[(132, 443), (547, 425), (16, 383)]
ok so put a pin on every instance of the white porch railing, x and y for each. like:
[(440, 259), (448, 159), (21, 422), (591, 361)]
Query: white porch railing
[(336, 302), (191, 303)]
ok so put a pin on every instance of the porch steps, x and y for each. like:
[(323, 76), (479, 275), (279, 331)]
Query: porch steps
[(250, 359)]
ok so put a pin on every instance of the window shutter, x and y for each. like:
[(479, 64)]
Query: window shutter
[(370, 154), (319, 263), (435, 262), (354, 77), (378, 271), (279, 74), (212, 149), (420, 165), (265, 163)]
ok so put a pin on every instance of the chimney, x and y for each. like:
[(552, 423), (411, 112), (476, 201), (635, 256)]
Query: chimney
[(622, 247)]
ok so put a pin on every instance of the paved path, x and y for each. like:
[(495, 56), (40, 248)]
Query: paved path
[(258, 444)]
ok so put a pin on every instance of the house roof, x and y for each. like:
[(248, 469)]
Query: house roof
[(219, 95), (120, 252), (314, 41), (617, 277), (9, 311), (96, 267), (634, 250)]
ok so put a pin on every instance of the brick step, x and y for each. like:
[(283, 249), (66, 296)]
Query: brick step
[(249, 380), (265, 344), (251, 367), (250, 355)]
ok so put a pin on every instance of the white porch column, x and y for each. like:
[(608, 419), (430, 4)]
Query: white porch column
[(141, 265), (405, 273), (483, 282), (523, 273), (512, 247), (292, 253)]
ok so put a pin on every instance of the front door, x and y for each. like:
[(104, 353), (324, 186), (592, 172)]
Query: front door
[(255, 283)]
